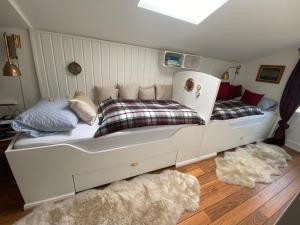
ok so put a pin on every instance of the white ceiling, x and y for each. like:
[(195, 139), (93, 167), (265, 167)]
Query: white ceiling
[(9, 17), (239, 31)]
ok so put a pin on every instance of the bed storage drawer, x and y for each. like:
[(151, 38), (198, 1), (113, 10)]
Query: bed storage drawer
[(102, 176)]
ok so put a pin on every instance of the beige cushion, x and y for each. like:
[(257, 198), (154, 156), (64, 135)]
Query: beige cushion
[(103, 93), (84, 107), (164, 92), (79, 93), (147, 93), (129, 91)]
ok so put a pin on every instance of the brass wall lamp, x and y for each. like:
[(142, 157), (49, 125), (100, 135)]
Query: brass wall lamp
[(10, 69), (11, 43), (225, 75)]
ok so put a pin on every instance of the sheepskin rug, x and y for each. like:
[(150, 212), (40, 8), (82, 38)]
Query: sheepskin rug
[(250, 164), (148, 199)]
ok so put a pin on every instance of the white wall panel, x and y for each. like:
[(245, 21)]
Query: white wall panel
[(103, 64), (68, 54), (78, 57), (60, 65), (50, 66)]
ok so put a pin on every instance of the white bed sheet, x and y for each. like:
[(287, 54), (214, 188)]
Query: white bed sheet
[(84, 132)]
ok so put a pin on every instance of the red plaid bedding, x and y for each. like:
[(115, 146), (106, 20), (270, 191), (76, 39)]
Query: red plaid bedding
[(120, 114), (231, 109)]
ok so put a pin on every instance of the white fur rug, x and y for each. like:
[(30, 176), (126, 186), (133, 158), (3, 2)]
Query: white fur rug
[(253, 163), (149, 199)]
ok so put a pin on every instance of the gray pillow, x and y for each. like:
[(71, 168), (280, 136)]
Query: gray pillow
[(267, 104), (147, 93), (129, 91), (45, 118), (164, 92)]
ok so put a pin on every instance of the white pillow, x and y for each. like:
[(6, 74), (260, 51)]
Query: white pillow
[(84, 107), (164, 92), (130, 91), (147, 93), (103, 93)]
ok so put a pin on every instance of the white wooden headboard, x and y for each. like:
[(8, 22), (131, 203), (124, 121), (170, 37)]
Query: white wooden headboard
[(103, 64), (208, 90)]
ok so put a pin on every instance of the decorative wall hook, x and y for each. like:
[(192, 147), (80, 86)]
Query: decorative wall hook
[(198, 90), (74, 68), (189, 84)]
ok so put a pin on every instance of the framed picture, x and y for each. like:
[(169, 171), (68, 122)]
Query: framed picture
[(270, 73)]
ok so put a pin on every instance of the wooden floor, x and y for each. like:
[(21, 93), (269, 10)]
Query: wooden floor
[(220, 203)]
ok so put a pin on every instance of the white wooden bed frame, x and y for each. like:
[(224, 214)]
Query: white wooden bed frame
[(57, 171), (54, 172)]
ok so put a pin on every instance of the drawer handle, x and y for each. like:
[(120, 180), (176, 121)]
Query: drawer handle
[(134, 164)]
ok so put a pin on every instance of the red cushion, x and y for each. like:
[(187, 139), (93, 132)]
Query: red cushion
[(235, 91), (224, 91), (251, 98)]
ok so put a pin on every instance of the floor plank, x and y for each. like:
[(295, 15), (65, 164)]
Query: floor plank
[(199, 219), (273, 219), (265, 212), (249, 206), (223, 206)]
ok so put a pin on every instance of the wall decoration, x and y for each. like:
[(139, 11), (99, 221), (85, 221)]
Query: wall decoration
[(189, 84), (270, 73), (198, 90), (74, 68)]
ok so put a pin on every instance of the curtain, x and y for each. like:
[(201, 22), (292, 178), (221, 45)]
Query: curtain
[(289, 103)]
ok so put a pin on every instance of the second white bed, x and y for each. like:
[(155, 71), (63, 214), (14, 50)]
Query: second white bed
[(221, 135)]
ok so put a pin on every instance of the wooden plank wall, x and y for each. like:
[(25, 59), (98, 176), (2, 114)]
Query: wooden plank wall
[(103, 63)]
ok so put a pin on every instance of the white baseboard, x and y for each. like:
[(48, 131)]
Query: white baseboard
[(292, 144), (57, 198), (190, 161), (203, 157)]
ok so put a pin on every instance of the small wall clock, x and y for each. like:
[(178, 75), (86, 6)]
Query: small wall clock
[(74, 68)]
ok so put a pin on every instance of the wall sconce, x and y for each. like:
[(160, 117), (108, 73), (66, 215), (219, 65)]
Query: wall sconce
[(11, 43), (225, 75)]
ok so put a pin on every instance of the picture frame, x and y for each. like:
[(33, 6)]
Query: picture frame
[(270, 73)]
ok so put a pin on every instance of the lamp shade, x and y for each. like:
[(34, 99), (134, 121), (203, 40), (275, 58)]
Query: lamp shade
[(11, 70), (225, 76)]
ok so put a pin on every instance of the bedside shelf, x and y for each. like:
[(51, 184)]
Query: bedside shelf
[(180, 60)]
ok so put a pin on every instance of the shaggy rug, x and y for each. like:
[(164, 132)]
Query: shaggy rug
[(148, 199), (250, 164)]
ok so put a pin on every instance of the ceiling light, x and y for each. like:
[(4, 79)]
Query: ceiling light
[(192, 11)]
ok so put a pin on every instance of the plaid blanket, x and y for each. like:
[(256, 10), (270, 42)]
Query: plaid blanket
[(120, 114), (225, 110)]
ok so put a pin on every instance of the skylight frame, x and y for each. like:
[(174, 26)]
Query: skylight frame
[(192, 11)]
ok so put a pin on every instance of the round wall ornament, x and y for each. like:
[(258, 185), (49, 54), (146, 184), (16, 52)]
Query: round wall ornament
[(189, 84), (74, 68)]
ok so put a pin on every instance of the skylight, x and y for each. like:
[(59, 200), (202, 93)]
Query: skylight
[(192, 11)]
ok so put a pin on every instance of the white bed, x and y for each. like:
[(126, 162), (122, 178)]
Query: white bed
[(221, 135), (55, 167), (85, 133)]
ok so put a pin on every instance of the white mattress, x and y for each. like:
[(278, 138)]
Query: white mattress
[(85, 133)]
